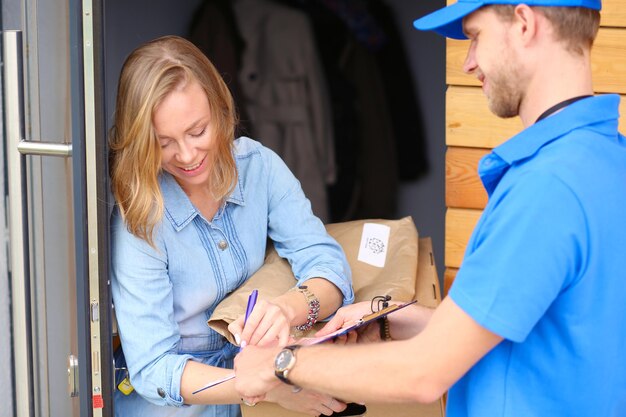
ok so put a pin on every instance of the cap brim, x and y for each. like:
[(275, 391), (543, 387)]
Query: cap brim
[(449, 20)]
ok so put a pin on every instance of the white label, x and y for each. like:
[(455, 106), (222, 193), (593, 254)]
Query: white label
[(374, 244)]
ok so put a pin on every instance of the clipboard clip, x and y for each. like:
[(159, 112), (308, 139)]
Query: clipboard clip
[(380, 313)]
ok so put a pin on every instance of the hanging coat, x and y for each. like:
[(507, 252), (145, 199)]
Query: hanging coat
[(285, 93)]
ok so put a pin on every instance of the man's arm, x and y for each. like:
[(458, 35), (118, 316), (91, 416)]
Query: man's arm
[(419, 369), (406, 324)]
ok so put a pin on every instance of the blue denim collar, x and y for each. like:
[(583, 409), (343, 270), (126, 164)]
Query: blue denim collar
[(179, 210)]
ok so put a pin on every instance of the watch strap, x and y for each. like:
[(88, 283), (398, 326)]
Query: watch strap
[(283, 374)]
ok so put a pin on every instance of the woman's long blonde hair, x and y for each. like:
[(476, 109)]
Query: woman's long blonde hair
[(149, 74)]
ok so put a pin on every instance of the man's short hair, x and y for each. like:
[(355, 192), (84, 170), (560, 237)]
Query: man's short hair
[(576, 26)]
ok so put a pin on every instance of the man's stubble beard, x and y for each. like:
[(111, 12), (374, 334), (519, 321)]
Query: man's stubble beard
[(506, 95)]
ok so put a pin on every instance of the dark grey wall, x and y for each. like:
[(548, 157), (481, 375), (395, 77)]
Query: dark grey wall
[(424, 199), (130, 23)]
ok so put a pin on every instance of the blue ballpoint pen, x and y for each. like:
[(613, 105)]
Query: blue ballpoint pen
[(251, 303)]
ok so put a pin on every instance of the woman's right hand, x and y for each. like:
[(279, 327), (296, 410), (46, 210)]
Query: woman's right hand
[(305, 401), (268, 325)]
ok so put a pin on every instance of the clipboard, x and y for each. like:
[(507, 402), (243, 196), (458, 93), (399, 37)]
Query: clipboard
[(363, 321), (310, 341)]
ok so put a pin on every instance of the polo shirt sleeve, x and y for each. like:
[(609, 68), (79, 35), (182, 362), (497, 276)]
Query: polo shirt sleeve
[(528, 247)]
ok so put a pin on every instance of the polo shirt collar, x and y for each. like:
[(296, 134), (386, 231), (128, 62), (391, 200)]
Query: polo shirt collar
[(579, 114), (525, 144), (178, 208)]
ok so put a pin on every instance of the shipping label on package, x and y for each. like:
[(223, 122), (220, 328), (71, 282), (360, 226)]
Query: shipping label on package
[(374, 244)]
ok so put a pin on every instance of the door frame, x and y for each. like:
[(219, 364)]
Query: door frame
[(96, 200), (89, 196)]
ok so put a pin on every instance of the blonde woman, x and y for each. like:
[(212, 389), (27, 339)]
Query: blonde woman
[(195, 208)]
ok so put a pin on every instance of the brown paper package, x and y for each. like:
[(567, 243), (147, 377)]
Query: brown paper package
[(409, 273)]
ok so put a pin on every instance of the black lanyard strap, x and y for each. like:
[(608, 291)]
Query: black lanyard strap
[(559, 106)]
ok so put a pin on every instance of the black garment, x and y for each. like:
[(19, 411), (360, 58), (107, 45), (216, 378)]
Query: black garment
[(367, 174), (214, 31), (371, 23), (377, 159), (406, 115)]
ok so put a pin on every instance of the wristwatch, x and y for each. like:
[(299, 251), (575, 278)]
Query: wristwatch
[(284, 363)]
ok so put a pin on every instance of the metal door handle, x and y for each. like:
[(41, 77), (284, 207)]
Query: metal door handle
[(26, 147)]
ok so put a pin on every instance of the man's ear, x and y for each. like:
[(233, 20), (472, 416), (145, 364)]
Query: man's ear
[(525, 20)]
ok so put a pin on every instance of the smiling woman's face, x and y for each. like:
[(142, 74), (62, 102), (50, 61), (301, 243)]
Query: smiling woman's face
[(182, 123)]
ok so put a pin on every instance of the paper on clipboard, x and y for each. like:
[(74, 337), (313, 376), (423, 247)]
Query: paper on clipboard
[(309, 341), (365, 320)]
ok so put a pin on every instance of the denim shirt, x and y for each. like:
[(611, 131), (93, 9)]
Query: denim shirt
[(164, 295)]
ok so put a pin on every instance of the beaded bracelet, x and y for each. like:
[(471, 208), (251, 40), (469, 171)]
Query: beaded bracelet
[(314, 308)]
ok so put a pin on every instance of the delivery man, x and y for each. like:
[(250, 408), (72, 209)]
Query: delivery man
[(534, 322)]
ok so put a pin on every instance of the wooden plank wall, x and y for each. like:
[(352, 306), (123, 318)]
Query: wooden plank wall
[(471, 130)]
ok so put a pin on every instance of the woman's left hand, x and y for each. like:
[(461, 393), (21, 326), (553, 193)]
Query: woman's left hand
[(305, 401), (267, 325), (345, 316)]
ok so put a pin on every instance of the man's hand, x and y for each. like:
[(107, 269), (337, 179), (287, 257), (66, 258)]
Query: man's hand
[(254, 370)]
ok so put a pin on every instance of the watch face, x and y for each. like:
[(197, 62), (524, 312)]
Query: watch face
[(283, 360)]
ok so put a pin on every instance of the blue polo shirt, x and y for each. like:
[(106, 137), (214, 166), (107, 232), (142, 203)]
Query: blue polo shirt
[(546, 269)]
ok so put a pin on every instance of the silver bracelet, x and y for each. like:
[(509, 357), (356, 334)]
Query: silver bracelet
[(314, 308)]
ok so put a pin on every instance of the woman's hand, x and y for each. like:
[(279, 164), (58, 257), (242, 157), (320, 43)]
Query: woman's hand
[(346, 316), (267, 325), (365, 334), (305, 401), (344, 339)]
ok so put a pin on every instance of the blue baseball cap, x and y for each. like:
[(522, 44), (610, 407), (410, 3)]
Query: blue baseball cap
[(449, 20)]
